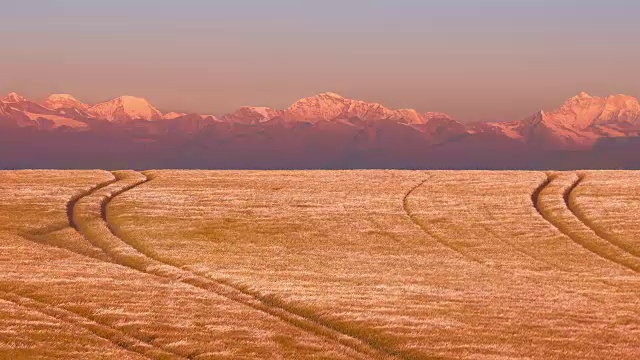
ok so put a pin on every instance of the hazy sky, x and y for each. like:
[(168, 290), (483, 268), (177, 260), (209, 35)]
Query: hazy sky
[(477, 60)]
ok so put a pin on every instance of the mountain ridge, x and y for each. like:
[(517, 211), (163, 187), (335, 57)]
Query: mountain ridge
[(578, 123), (322, 129), (125, 108)]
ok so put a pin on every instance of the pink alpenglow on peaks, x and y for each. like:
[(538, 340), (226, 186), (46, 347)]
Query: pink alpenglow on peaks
[(125, 108), (62, 101), (578, 123), (252, 115), (322, 131), (173, 115), (330, 106), (12, 98)]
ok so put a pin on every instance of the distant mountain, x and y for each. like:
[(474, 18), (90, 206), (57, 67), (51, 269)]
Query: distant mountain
[(13, 98), (16, 109), (252, 115), (579, 123), (125, 108), (330, 110), (322, 131), (173, 115), (64, 101), (333, 107)]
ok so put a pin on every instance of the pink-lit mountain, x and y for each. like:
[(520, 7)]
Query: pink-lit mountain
[(322, 131), (579, 123)]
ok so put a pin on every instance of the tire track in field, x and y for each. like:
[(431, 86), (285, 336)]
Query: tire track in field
[(71, 204), (569, 200), (69, 210), (486, 228), (505, 270), (41, 239), (535, 196), (425, 228), (91, 221), (577, 230), (103, 331), (39, 236), (512, 245)]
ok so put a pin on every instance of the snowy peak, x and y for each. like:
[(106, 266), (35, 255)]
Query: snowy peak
[(578, 123), (63, 101), (13, 98), (330, 106), (437, 115), (325, 106), (173, 115), (252, 115), (583, 111), (125, 108), (412, 117)]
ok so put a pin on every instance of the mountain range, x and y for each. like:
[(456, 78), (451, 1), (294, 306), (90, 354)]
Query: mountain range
[(322, 131)]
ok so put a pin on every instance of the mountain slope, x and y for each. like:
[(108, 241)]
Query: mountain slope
[(252, 115), (19, 111), (173, 115), (125, 108), (13, 98), (63, 101), (322, 131), (331, 107), (578, 123)]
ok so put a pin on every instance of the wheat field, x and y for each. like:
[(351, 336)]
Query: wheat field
[(319, 264)]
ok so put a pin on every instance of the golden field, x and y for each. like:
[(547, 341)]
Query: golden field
[(319, 264)]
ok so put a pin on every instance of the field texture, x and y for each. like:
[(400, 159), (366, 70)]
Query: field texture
[(319, 265)]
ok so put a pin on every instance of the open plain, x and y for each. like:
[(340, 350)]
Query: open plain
[(319, 264)]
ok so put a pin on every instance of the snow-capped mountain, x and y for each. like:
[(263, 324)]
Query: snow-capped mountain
[(331, 106), (125, 108), (322, 131), (63, 101), (252, 115), (578, 123), (173, 115), (13, 98), (26, 113)]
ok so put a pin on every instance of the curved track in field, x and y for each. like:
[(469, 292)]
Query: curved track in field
[(101, 330), (447, 243), (44, 231), (90, 219), (569, 200), (420, 224), (443, 241), (558, 210)]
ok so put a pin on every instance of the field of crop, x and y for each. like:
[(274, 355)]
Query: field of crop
[(319, 264)]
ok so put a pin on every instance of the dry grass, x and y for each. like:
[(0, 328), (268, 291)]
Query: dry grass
[(29, 333), (609, 202), (36, 201), (556, 203), (450, 264), (111, 310), (318, 264)]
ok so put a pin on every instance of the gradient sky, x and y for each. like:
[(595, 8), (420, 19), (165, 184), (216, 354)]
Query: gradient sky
[(477, 60)]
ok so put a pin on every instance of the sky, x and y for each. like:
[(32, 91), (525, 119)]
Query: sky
[(476, 60)]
